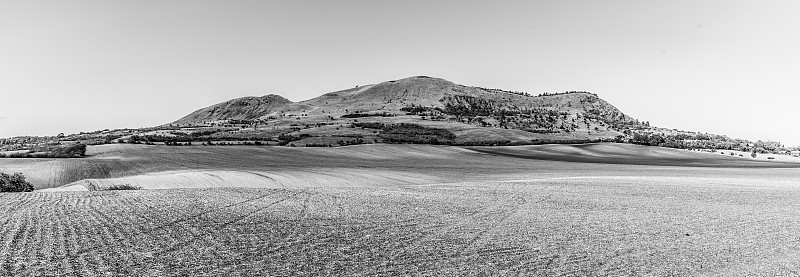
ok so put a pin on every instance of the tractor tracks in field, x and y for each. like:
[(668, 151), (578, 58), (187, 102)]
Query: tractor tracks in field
[(295, 230), (216, 229), (297, 241), (520, 202), (11, 245), (267, 177), (502, 210), (170, 224), (298, 226), (447, 227)]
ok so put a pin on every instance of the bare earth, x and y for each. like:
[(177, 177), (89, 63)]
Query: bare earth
[(403, 209)]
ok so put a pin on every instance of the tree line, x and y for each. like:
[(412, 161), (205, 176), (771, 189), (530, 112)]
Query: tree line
[(703, 141)]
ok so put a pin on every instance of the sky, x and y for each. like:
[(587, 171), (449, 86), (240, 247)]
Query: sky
[(723, 67)]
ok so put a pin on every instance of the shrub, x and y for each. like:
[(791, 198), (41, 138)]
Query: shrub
[(123, 187), (413, 133), (285, 139), (357, 115), (75, 150), (14, 183), (370, 125)]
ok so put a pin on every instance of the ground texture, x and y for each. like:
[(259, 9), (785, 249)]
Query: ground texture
[(516, 217)]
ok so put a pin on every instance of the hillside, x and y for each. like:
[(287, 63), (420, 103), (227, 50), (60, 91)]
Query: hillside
[(240, 108), (464, 114)]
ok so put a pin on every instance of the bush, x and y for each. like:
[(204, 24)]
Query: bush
[(14, 183), (75, 150), (285, 139), (358, 115), (370, 125), (123, 187), (413, 133)]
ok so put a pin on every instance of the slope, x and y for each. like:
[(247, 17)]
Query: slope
[(475, 115), (240, 108)]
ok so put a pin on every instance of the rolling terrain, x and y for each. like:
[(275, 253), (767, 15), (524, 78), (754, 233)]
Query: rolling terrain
[(153, 166), (431, 178), (405, 210)]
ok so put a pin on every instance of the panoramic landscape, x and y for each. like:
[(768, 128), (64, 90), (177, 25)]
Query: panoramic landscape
[(387, 176), (400, 178)]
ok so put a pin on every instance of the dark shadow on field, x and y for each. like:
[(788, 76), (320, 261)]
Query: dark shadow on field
[(614, 153)]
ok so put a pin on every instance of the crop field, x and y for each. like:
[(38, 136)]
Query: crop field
[(264, 166), (410, 210), (114, 161)]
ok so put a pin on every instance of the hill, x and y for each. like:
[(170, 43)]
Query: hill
[(473, 115), (417, 109), (240, 108)]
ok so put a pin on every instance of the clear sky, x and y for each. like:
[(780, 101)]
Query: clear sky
[(724, 67)]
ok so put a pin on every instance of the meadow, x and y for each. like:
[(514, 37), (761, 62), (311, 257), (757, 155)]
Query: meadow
[(404, 210)]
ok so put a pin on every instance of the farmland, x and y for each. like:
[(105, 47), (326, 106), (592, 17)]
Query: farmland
[(364, 165), (401, 210)]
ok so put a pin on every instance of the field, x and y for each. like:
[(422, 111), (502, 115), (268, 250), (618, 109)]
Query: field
[(403, 210)]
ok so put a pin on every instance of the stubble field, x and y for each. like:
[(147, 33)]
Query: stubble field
[(426, 210)]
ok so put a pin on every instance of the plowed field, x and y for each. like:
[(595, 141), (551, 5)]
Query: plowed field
[(425, 211)]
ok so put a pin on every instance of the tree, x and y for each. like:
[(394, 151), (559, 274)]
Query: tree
[(753, 154), (14, 183), (74, 150)]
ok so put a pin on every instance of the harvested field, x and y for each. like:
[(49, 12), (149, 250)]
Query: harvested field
[(567, 226), (377, 164), (406, 210), (614, 153)]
